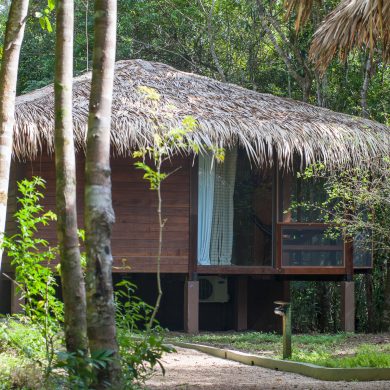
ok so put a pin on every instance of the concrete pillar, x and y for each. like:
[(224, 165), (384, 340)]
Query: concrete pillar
[(241, 303), (348, 306), (191, 306)]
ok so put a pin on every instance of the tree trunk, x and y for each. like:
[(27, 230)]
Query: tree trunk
[(364, 90), (386, 308), (73, 289), (319, 90), (306, 88), (304, 81), (212, 43), (369, 302), (99, 214), (161, 224), (8, 77)]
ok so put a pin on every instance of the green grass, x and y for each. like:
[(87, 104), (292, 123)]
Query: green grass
[(21, 350), (364, 356), (248, 341), (341, 350)]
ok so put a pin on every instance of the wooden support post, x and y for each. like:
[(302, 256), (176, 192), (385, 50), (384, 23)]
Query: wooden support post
[(287, 351), (348, 291), (241, 303), (348, 306), (286, 290), (191, 306)]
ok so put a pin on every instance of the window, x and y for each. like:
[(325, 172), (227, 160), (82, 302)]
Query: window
[(234, 211), (303, 238), (308, 246), (362, 250), (252, 243), (236, 218)]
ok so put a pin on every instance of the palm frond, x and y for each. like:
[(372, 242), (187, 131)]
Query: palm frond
[(352, 24), (302, 9)]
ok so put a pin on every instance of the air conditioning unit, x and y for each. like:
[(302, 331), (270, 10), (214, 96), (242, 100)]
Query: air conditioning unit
[(213, 289)]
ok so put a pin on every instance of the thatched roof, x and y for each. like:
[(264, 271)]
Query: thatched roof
[(227, 115)]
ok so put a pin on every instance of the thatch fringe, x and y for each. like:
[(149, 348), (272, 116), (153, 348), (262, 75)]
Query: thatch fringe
[(227, 115)]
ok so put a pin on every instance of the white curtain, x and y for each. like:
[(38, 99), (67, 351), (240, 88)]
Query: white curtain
[(223, 210), (206, 179)]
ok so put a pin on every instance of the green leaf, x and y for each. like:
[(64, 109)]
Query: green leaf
[(51, 4), (189, 123), (149, 93), (48, 25), (42, 22), (139, 153)]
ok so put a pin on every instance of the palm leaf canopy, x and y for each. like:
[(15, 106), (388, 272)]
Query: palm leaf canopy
[(302, 8), (352, 24), (265, 125)]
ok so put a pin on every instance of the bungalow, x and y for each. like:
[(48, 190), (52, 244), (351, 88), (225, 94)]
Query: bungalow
[(231, 243)]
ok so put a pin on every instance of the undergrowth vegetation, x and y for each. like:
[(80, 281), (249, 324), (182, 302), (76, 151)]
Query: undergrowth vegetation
[(32, 346)]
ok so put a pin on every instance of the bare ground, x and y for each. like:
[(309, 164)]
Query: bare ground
[(190, 369)]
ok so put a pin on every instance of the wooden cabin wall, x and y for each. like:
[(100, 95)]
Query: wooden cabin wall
[(135, 233), (16, 173)]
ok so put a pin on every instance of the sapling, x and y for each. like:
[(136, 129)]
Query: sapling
[(31, 257), (140, 353), (167, 143)]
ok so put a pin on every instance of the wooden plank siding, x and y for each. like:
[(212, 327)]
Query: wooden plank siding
[(135, 233), (16, 173)]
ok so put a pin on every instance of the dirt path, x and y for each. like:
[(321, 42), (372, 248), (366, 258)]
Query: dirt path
[(190, 369)]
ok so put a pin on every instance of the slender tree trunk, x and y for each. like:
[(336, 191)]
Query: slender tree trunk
[(304, 81), (368, 281), (13, 39), (73, 289), (306, 88), (210, 35), (319, 90), (364, 90), (161, 224), (99, 214), (386, 308), (369, 302)]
